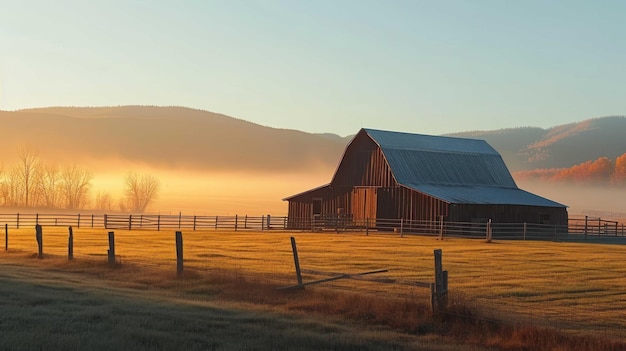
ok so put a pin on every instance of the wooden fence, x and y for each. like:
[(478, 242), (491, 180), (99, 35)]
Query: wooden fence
[(578, 227)]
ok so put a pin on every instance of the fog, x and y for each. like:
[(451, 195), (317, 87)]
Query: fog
[(217, 193), (581, 199)]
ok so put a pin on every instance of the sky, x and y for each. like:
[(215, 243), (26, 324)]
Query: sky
[(429, 67)]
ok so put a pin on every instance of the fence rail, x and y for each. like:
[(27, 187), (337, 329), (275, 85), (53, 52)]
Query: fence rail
[(578, 226)]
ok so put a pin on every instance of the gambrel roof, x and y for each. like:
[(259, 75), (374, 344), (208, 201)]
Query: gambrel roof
[(455, 170)]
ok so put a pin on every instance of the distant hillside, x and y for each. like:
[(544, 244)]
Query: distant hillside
[(177, 137), (557, 147), (172, 137)]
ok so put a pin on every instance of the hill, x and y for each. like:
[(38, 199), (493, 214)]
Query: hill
[(184, 138), (561, 146), (165, 137)]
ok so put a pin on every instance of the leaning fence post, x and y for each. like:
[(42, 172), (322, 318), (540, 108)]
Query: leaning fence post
[(296, 261), (39, 237), (111, 251), (70, 244), (179, 253)]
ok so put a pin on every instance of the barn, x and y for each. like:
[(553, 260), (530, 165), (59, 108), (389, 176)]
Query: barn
[(393, 175)]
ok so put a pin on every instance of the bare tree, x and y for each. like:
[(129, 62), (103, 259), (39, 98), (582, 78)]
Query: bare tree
[(75, 186), (50, 186), (27, 170), (104, 201), (140, 190), (9, 189)]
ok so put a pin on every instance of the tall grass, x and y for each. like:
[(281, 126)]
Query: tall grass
[(508, 294)]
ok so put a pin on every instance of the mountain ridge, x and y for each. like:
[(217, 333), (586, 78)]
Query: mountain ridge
[(182, 137)]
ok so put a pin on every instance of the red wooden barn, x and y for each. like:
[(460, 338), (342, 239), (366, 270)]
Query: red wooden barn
[(393, 175)]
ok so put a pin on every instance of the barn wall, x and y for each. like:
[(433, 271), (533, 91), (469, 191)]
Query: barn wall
[(508, 214), (363, 165), (333, 200)]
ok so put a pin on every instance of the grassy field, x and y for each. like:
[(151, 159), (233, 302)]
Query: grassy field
[(573, 287)]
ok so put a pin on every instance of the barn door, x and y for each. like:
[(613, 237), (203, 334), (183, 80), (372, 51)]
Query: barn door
[(364, 200)]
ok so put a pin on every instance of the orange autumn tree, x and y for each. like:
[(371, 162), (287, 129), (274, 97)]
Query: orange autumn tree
[(619, 170), (598, 171)]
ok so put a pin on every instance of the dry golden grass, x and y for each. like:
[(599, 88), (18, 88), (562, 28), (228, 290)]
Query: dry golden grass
[(572, 287)]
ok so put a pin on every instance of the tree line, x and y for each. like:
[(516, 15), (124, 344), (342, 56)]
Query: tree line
[(33, 183), (602, 171)]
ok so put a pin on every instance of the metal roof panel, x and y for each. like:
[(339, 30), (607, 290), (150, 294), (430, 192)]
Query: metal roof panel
[(483, 195)]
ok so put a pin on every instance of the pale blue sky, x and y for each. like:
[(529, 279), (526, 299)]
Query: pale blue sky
[(429, 67)]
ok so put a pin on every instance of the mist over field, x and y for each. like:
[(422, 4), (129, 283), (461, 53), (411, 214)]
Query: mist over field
[(220, 193), (580, 198), (212, 164)]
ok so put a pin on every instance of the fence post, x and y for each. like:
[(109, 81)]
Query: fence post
[(180, 217), (236, 219), (17, 224), (296, 261), (70, 244), (262, 222), (141, 221), (36, 218), (525, 228), (245, 222), (216, 219), (105, 222), (92, 220), (158, 222), (39, 237), (179, 253), (556, 238), (367, 226), (78, 224), (439, 290), (402, 227), (111, 251), (586, 219), (130, 222), (269, 222), (441, 227), (6, 237), (488, 239), (194, 222)]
